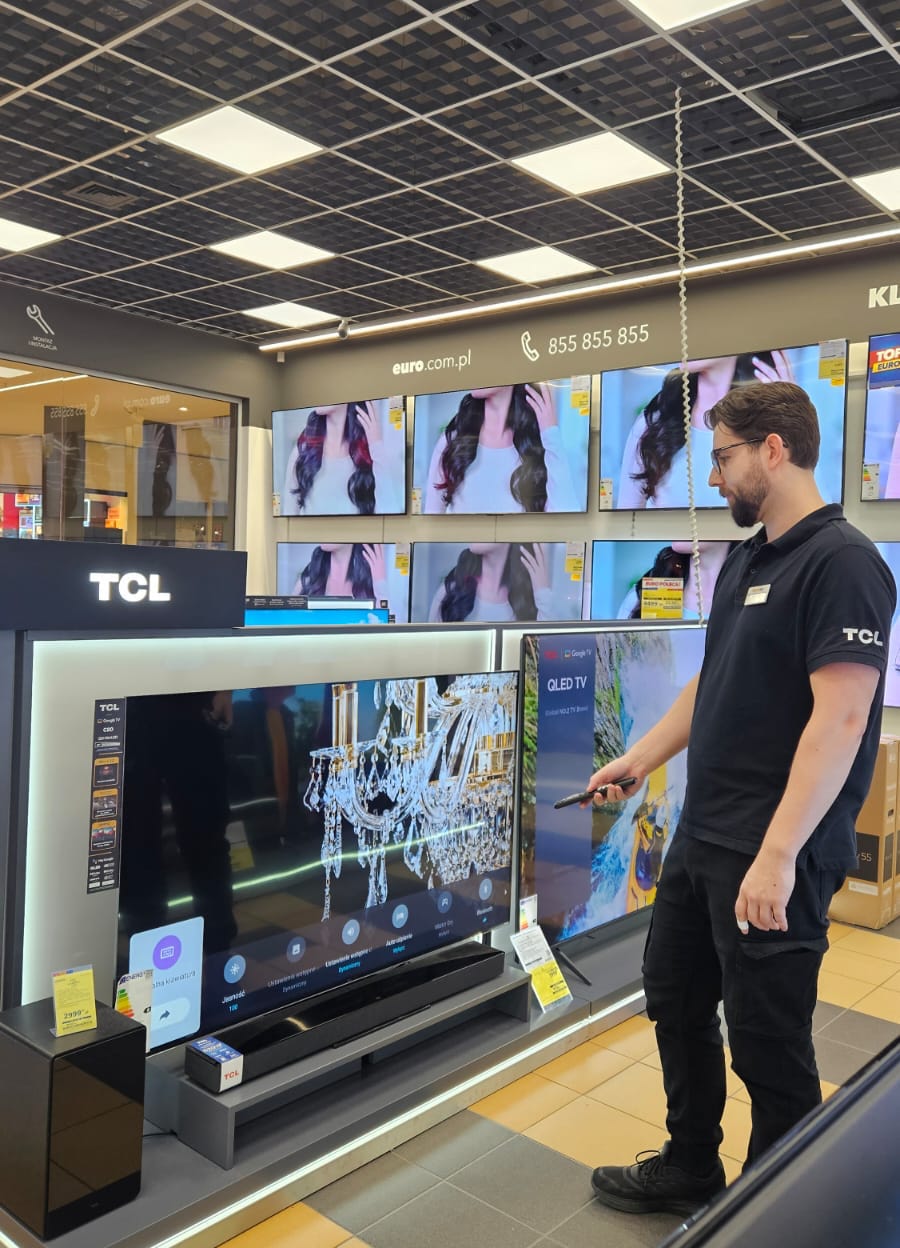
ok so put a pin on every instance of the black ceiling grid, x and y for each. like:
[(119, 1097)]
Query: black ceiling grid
[(421, 108)]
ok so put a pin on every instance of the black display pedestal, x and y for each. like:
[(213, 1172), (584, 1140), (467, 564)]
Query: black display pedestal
[(72, 1117)]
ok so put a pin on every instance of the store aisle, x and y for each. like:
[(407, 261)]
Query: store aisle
[(514, 1169)]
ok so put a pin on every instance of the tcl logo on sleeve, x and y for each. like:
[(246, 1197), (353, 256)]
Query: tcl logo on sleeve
[(131, 586), (865, 635)]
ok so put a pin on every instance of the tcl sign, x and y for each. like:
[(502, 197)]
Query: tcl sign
[(130, 586)]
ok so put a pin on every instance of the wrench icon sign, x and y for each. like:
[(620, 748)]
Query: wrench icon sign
[(35, 314)]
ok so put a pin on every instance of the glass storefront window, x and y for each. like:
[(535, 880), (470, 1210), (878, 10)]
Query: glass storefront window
[(87, 458)]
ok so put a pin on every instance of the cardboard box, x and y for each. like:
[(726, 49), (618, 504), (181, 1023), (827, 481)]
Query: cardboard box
[(869, 895)]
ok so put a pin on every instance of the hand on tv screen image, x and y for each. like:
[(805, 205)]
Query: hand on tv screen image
[(881, 451), (362, 570), (619, 567), (340, 459), (890, 553), (642, 436), (496, 582), (587, 698), (516, 448), (278, 841)]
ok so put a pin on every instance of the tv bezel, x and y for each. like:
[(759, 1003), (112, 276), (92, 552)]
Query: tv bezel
[(871, 339)]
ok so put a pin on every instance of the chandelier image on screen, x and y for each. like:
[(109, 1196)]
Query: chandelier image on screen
[(587, 698), (279, 841)]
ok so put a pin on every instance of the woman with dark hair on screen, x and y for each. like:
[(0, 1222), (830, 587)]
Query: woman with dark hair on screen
[(676, 563), (502, 451), (496, 582), (654, 462), (340, 465), (345, 570)]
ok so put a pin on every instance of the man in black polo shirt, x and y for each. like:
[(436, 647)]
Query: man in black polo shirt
[(782, 729)]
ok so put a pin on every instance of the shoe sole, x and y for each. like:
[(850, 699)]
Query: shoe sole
[(624, 1205)]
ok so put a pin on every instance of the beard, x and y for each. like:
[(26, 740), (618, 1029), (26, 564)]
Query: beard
[(745, 503)]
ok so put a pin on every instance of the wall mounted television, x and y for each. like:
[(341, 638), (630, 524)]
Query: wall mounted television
[(496, 582), (881, 446), (612, 591), (364, 570), (586, 698), (643, 460), (281, 841), (521, 447), (340, 459)]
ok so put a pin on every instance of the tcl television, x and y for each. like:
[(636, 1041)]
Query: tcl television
[(496, 582), (643, 455), (587, 697), (890, 553), (376, 572), (280, 841), (499, 449), (340, 459), (614, 590), (881, 447)]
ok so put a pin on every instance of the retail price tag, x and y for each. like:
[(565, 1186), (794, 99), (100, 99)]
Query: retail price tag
[(833, 361), (662, 598), (401, 558), (74, 1008), (527, 911), (606, 493), (416, 505), (574, 566), (581, 395), (276, 504), (547, 980), (133, 994), (871, 476), (395, 411)]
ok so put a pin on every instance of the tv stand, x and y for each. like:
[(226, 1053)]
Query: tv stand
[(356, 1037)]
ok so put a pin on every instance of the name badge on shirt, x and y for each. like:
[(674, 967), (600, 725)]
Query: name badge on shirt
[(756, 595)]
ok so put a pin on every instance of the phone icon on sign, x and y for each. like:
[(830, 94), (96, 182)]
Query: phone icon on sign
[(532, 352)]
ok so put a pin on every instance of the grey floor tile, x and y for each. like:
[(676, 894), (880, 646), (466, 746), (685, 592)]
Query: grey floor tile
[(446, 1217), (838, 1062), (825, 1013), (376, 1189), (530, 1182), (596, 1225), (861, 1031), (454, 1143), (892, 929)]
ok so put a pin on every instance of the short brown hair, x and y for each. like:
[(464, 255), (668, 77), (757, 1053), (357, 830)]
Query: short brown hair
[(759, 408)]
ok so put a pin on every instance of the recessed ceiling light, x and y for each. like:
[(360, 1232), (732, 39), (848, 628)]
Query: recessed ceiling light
[(592, 164), (271, 250), (15, 237), (883, 186), (293, 315), (238, 141), (14, 372), (672, 13), (536, 264)]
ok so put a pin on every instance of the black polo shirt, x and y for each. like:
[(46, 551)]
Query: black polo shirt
[(819, 594)]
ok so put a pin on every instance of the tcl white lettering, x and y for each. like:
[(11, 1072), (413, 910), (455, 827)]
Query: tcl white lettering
[(865, 635), (131, 587)]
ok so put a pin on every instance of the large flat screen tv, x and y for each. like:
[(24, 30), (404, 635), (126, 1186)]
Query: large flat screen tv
[(613, 590), (340, 459), (643, 458), (364, 570), (279, 841), (587, 697), (881, 448), (890, 553), (496, 582), (496, 449)]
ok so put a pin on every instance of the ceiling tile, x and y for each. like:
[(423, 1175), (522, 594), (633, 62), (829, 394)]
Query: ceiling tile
[(539, 37), (398, 292), (337, 232), (158, 277), (418, 152), (468, 279), (322, 31), (725, 127), (507, 122), (652, 198), (554, 223), (752, 177), (133, 240), (426, 68), (324, 108), (838, 96), (30, 51), (35, 267), (862, 149), (211, 264), (192, 224), (237, 325), (87, 187), (256, 203), (342, 273), (706, 229), (404, 258), (822, 207), (108, 288), (887, 15), (83, 255), (97, 21), (58, 216), (495, 189), (162, 168), (411, 212), (479, 240), (287, 288), (41, 122), (117, 90), (618, 247), (182, 306), (207, 51), (352, 303), (236, 298), (332, 180), (25, 164)]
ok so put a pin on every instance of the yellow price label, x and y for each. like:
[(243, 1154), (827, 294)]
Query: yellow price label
[(575, 567), (401, 563), (662, 598), (396, 417)]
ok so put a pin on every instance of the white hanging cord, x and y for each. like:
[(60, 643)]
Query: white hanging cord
[(685, 378)]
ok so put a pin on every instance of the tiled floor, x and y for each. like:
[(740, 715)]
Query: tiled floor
[(514, 1170)]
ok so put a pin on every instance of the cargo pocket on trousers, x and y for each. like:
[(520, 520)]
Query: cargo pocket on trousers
[(775, 987)]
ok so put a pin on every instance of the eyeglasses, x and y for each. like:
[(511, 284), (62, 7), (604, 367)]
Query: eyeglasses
[(714, 455)]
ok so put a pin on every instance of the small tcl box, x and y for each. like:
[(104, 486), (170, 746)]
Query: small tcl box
[(213, 1064), (72, 1117)]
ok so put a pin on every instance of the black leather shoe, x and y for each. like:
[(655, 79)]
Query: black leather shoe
[(654, 1185)]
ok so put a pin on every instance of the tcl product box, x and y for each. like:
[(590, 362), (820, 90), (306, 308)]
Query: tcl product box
[(867, 898)]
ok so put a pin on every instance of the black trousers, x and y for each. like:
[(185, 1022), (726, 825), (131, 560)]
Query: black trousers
[(694, 958)]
